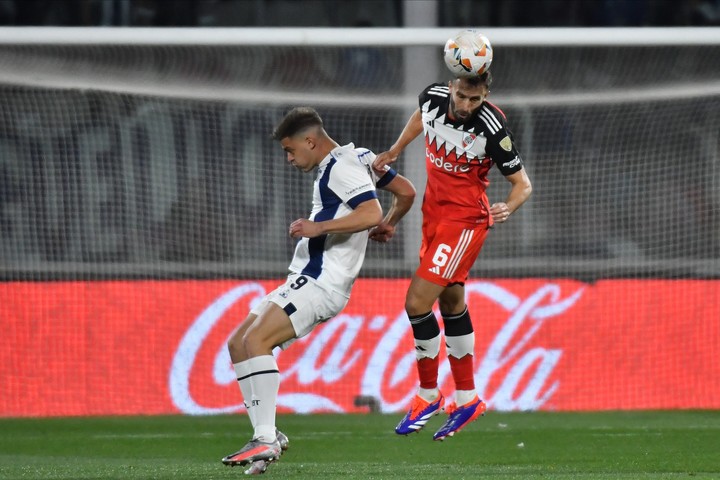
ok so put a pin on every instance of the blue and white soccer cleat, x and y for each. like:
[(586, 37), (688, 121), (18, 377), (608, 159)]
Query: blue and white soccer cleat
[(459, 417), (420, 412)]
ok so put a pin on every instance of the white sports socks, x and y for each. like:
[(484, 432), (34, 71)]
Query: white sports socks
[(265, 382)]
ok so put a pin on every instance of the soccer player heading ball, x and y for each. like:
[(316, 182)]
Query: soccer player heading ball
[(465, 136)]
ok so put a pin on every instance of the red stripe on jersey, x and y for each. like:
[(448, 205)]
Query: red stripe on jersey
[(496, 108)]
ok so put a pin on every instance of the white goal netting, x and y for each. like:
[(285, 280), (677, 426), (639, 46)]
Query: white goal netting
[(116, 157), (127, 160)]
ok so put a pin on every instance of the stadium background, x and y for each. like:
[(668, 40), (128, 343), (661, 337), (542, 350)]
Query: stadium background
[(143, 208)]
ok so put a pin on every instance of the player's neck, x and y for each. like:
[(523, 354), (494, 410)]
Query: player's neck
[(325, 146)]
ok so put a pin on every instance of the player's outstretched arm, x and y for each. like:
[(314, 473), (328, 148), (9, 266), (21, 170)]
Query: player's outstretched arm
[(412, 129), (403, 192), (519, 192), (366, 215)]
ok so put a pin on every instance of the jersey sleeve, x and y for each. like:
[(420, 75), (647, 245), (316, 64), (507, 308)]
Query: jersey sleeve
[(386, 178), (366, 157), (427, 94), (353, 182), (501, 147)]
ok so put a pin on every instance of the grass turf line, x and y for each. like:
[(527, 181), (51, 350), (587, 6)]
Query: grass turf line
[(536, 445)]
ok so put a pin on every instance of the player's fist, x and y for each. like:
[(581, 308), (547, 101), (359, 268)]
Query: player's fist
[(382, 233), (500, 212), (302, 227)]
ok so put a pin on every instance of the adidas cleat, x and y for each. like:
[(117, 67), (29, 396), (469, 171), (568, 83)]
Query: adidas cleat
[(459, 417), (253, 451), (420, 412)]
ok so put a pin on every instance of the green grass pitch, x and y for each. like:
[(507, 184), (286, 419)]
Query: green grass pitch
[(536, 445)]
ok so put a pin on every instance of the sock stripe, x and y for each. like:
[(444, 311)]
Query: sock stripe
[(421, 318), (260, 372), (455, 317)]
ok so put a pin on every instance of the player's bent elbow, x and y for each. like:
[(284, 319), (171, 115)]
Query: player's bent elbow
[(405, 187), (403, 190), (408, 196)]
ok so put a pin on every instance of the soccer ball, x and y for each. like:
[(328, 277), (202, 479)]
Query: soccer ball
[(468, 54)]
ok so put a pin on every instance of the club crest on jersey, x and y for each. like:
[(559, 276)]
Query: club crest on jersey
[(468, 140), (506, 144)]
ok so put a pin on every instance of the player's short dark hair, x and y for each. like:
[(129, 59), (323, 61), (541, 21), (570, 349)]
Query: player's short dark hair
[(484, 79), (297, 120)]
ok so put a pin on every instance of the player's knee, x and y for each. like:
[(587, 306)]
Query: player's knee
[(247, 341), (236, 348), (416, 305), (256, 342), (452, 300), (451, 306)]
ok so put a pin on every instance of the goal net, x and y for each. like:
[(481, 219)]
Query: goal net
[(144, 208)]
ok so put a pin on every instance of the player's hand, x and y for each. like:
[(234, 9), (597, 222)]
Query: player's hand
[(500, 212), (382, 160), (382, 233), (302, 227)]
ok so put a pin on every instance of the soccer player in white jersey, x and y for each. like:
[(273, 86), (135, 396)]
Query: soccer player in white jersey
[(328, 256)]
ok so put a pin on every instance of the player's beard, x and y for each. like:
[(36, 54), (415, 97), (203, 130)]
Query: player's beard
[(458, 115)]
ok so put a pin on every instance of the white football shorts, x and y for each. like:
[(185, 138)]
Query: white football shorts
[(305, 302)]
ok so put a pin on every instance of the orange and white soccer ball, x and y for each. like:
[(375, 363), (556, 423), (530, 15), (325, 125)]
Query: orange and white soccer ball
[(468, 54)]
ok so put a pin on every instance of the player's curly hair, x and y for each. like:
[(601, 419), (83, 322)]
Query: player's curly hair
[(297, 120)]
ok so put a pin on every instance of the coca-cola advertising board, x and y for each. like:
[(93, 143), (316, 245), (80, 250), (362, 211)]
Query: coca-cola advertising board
[(159, 347)]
